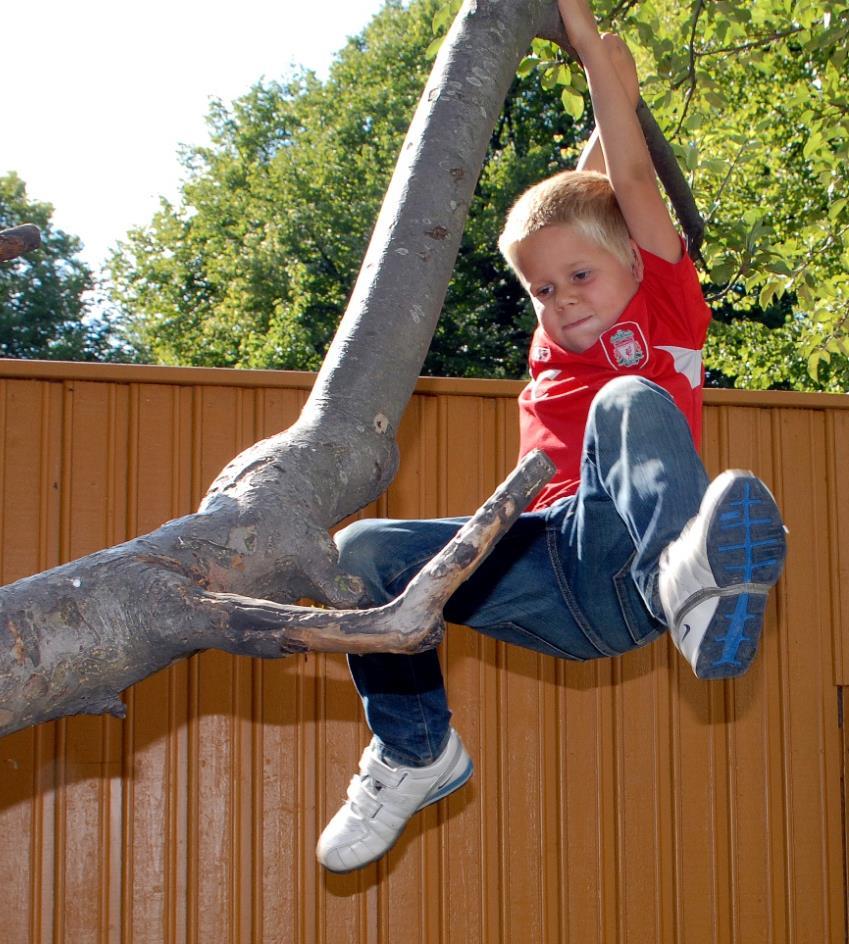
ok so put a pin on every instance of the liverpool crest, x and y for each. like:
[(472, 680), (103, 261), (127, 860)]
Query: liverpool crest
[(626, 346)]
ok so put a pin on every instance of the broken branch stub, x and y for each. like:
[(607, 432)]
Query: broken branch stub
[(18, 240), (411, 622)]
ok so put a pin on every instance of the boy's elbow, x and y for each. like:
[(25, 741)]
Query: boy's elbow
[(622, 63), (615, 45)]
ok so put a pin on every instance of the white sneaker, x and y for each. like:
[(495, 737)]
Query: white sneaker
[(714, 578), (382, 798)]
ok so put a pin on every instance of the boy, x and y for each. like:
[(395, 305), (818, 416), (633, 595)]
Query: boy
[(628, 537)]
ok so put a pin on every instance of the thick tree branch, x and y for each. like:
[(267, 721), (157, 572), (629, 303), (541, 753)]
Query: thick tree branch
[(409, 623), (138, 607), (18, 240)]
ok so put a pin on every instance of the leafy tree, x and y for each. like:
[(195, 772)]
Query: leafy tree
[(254, 265), (44, 311)]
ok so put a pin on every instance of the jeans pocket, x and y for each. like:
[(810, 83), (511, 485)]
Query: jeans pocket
[(641, 625), (581, 621), (520, 636)]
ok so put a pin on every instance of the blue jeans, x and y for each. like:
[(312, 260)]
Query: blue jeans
[(576, 580)]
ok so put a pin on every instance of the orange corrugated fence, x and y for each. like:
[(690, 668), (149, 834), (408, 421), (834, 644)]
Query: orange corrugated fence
[(614, 802)]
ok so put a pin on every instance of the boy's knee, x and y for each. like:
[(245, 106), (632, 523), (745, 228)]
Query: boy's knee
[(624, 391), (357, 542), (365, 553), (640, 402)]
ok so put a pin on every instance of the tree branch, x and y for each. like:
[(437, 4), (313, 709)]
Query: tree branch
[(691, 68), (411, 622), (725, 181), (18, 240), (73, 638), (752, 44), (70, 638), (620, 10)]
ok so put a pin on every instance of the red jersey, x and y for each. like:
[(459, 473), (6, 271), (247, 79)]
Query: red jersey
[(659, 336)]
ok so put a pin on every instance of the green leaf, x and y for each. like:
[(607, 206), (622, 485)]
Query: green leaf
[(721, 273), (527, 66), (573, 103), (813, 145), (563, 75), (768, 293), (837, 208), (548, 78), (433, 47), (814, 361)]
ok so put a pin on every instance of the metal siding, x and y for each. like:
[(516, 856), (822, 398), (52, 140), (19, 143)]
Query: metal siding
[(837, 424), (616, 802)]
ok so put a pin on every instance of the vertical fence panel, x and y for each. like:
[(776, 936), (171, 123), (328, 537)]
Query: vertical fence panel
[(614, 802), (29, 474), (155, 730), (838, 447), (89, 814)]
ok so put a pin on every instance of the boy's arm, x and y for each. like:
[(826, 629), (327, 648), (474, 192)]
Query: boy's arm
[(622, 62), (626, 156)]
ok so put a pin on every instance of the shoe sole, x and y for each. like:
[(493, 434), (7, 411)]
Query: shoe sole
[(746, 547)]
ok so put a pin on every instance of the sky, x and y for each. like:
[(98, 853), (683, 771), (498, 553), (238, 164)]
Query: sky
[(99, 94)]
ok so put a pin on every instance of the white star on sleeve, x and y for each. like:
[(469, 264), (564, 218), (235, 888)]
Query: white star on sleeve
[(687, 362)]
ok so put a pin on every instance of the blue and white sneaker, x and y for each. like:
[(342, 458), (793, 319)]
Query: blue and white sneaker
[(715, 577), (382, 798)]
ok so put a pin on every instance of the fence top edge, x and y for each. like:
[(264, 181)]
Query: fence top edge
[(58, 371)]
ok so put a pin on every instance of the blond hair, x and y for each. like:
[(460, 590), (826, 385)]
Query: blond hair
[(581, 198)]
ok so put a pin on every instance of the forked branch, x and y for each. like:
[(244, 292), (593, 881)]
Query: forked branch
[(411, 622)]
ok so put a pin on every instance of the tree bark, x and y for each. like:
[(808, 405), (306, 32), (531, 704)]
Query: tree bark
[(62, 654), (18, 240)]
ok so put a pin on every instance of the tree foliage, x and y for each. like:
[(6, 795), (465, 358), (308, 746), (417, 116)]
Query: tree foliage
[(253, 266), (44, 308)]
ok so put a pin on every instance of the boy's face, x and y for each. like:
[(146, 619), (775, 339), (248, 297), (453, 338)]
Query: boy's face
[(578, 288)]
